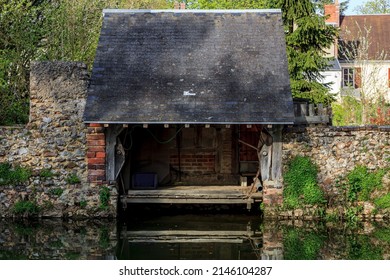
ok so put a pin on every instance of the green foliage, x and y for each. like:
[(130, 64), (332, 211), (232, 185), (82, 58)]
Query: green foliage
[(57, 191), (352, 216), (301, 187), (312, 194), (48, 30), (11, 176), (46, 173), (72, 179), (227, 4), (301, 245), (347, 112), (72, 256), (307, 36), (83, 203), (383, 202), (360, 247), (374, 7), (361, 183), (21, 33), (104, 195), (28, 208), (383, 234), (104, 238)]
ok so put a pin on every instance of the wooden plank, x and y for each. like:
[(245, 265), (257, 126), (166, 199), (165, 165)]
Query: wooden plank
[(148, 233), (111, 136), (265, 162), (311, 110), (303, 107), (276, 169), (189, 240), (186, 201), (312, 119)]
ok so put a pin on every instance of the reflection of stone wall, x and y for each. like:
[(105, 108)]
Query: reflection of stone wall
[(53, 141), (55, 239)]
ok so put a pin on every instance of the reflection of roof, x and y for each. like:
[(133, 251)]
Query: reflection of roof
[(188, 66), (353, 29)]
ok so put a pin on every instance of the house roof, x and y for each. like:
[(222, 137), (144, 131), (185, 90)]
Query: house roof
[(375, 28), (333, 65), (185, 66)]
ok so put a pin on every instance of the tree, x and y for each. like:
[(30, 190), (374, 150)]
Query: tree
[(371, 76), (73, 26), (227, 4), (48, 30), (374, 7), (21, 33), (307, 37)]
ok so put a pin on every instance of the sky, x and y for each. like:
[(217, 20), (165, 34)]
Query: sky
[(352, 5)]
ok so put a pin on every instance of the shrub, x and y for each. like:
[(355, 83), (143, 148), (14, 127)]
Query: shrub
[(301, 185), (46, 173), (10, 175), (383, 202), (57, 191), (312, 194), (361, 183), (25, 208), (73, 179)]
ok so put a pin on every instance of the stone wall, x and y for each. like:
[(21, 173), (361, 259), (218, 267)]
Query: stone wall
[(53, 146), (337, 150)]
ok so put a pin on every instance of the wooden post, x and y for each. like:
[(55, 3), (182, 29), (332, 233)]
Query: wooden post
[(311, 109), (111, 135), (276, 172), (303, 109)]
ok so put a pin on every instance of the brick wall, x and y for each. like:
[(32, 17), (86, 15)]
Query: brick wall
[(96, 153), (195, 163)]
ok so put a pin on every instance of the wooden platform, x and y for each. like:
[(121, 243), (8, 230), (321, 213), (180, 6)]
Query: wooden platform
[(194, 195)]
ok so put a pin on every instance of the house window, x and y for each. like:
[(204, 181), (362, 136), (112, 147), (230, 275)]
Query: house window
[(352, 77)]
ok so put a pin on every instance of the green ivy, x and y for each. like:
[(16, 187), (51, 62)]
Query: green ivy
[(302, 245), (361, 183), (301, 187), (383, 202), (104, 195)]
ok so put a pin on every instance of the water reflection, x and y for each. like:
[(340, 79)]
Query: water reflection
[(56, 239), (213, 237), (191, 236)]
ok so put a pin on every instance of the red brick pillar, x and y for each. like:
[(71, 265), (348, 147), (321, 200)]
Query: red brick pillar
[(96, 154)]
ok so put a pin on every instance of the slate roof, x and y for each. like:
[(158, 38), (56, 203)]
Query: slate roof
[(186, 66), (353, 30)]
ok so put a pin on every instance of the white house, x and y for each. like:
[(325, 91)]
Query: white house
[(362, 55)]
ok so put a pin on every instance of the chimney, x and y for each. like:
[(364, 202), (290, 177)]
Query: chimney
[(180, 6), (333, 13)]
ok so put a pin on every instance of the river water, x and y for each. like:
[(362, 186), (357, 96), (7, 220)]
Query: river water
[(191, 236)]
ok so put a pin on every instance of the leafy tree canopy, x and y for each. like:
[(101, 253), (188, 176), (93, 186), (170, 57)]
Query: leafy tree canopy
[(374, 7), (307, 37)]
